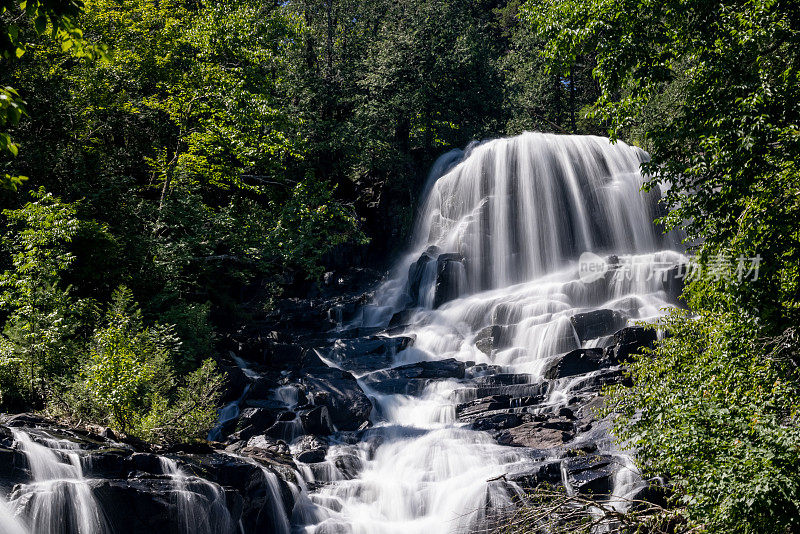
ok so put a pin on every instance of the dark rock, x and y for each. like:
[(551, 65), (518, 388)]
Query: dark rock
[(145, 462), (317, 421), (282, 355), (368, 354), (593, 324), (261, 388), (499, 421), (311, 449), (450, 275), (258, 418), (403, 317), (631, 340), (416, 273), (412, 378), (591, 473), (140, 506), (108, 463), (533, 435), (349, 465), (338, 390), (576, 362), (674, 282), (25, 420), (547, 472), (492, 338), (469, 410)]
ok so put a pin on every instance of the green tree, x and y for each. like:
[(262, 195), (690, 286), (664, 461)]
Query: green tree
[(43, 320), (18, 18)]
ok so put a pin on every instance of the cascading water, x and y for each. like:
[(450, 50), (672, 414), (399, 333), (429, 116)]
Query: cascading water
[(493, 281), (58, 499), (201, 504)]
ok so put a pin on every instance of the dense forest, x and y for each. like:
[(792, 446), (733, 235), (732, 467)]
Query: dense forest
[(172, 168)]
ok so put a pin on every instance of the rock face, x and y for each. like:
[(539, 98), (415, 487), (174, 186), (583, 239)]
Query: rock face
[(412, 378), (338, 391), (138, 492), (369, 353), (450, 277), (577, 362), (594, 324)]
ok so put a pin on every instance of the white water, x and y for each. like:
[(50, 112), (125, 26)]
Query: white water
[(59, 498), (201, 504), (520, 211)]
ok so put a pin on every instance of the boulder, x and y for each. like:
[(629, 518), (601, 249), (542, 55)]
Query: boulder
[(534, 435), (450, 277), (317, 421), (597, 323), (338, 391), (500, 421), (143, 506), (546, 472), (631, 340), (576, 362), (492, 338), (470, 410), (311, 449), (591, 474), (416, 273)]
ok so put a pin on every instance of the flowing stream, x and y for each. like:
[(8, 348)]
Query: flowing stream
[(496, 244)]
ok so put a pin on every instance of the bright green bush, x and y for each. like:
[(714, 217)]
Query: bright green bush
[(128, 380), (714, 406)]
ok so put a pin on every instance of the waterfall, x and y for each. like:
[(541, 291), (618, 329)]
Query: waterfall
[(201, 505), (495, 279), (59, 498)]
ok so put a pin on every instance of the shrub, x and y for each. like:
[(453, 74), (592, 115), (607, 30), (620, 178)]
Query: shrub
[(128, 380), (714, 406)]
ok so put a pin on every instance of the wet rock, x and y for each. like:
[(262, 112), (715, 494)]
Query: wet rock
[(257, 418), (349, 465), (450, 274), (674, 282), (631, 340), (338, 391), (368, 354), (576, 362), (261, 388), (139, 506), (469, 410), (412, 378), (416, 273), (593, 324), (282, 355), (311, 449), (547, 472), (403, 317), (534, 435), (492, 338), (275, 447), (499, 421), (317, 421), (591, 474), (145, 462)]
